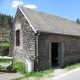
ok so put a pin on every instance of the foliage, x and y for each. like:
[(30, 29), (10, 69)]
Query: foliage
[(16, 79), (20, 66), (4, 61), (6, 22), (78, 21), (72, 66), (36, 74)]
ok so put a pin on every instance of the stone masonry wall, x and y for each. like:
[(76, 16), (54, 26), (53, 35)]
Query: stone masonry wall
[(27, 39), (71, 48), (27, 44)]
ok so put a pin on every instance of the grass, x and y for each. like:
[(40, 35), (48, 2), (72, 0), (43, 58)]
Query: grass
[(36, 75), (72, 66), (19, 66), (39, 74), (4, 61), (4, 43)]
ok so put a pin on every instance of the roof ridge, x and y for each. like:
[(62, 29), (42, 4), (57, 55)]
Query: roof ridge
[(41, 21), (49, 14), (27, 19)]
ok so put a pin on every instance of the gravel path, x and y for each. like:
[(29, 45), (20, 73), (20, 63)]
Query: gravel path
[(9, 76)]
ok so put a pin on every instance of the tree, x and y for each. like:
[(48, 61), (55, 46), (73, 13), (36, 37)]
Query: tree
[(78, 21)]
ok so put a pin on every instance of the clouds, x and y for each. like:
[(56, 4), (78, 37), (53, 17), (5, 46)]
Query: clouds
[(16, 3), (31, 6)]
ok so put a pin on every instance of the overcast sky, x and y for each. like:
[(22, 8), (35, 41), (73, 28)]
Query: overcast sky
[(69, 9)]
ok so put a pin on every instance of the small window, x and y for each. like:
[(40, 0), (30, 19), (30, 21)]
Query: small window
[(17, 37)]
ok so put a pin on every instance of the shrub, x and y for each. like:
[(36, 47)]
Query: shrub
[(20, 66)]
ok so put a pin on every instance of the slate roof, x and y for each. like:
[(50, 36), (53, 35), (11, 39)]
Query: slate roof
[(45, 22)]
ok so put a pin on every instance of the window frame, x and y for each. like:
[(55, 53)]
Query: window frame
[(18, 37)]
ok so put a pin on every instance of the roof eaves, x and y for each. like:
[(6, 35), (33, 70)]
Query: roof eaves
[(27, 20), (58, 33)]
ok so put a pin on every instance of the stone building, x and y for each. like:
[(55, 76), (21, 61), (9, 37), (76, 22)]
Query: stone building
[(50, 40)]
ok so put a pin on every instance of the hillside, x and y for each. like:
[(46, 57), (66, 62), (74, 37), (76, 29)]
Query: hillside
[(5, 26)]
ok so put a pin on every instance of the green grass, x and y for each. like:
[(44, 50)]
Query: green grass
[(4, 43), (72, 66), (21, 68), (36, 74), (4, 61), (39, 73)]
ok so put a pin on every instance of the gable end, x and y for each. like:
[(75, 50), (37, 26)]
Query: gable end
[(28, 20)]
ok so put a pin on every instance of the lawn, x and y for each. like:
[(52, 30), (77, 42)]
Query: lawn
[(5, 61), (72, 66), (19, 66), (4, 43)]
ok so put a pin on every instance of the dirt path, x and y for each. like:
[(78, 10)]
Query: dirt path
[(9, 76)]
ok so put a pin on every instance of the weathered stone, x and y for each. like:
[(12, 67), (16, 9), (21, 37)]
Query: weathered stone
[(27, 48), (27, 39), (71, 48)]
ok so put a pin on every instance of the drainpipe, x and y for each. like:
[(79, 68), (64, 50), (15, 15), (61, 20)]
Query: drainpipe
[(38, 33)]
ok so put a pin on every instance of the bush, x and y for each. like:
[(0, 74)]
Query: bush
[(20, 66)]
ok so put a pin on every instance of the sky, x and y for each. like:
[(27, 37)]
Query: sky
[(69, 9)]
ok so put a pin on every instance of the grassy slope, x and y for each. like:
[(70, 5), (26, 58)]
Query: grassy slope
[(4, 43), (72, 66), (4, 33)]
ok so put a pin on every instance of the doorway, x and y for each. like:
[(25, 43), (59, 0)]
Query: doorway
[(54, 54)]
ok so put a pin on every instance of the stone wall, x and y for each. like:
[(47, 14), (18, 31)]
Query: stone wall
[(27, 44), (27, 39), (71, 48)]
